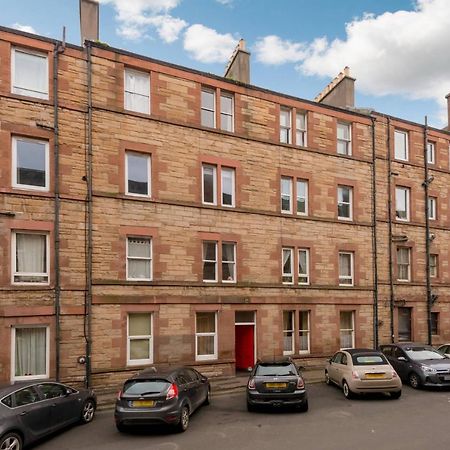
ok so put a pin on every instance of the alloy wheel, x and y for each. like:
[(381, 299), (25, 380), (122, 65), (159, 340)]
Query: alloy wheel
[(88, 411), (414, 381), (184, 419), (11, 442)]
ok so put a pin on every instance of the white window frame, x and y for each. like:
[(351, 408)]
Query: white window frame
[(409, 264), (291, 274), (301, 131), (16, 89), (286, 128), (303, 283), (215, 261), (307, 331), (432, 208), (13, 354), (347, 142), (291, 188), (407, 192), (352, 329), (232, 170), (141, 74), (139, 362), (431, 153), (306, 183), (214, 167), (434, 269), (397, 156), (14, 260), (197, 335), (350, 202), (234, 280), (352, 270), (292, 331), (213, 92), (149, 174), (15, 183), (230, 96), (143, 258)]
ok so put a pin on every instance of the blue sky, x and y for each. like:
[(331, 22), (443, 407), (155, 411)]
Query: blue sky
[(397, 49)]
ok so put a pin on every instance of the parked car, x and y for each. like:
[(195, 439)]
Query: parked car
[(419, 365), (362, 371), (444, 350), (276, 382), (32, 410), (161, 397)]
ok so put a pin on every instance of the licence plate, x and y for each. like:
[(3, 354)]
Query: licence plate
[(374, 375), (276, 385), (143, 403)]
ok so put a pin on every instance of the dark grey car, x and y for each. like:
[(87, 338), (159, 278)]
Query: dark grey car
[(161, 397), (32, 410), (419, 365)]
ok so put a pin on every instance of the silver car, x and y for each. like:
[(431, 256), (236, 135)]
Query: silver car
[(359, 371)]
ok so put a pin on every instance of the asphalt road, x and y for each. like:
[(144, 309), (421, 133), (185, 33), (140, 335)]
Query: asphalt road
[(418, 420)]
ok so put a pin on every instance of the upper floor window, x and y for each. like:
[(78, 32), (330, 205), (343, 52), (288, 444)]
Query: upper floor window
[(137, 174), (401, 145), (205, 336), (285, 126), (435, 323), (30, 164), (287, 265), (288, 332), (432, 208), (433, 265), (403, 264), (303, 266), (226, 112), (210, 261), (302, 197), (139, 259), (29, 73), (30, 257), (345, 200), (137, 91), (301, 129), (139, 339), (286, 194), (227, 185), (344, 139), (346, 269), (208, 108), (431, 153), (228, 263), (402, 203)]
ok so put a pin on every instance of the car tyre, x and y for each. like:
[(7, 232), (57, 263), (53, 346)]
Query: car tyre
[(327, 378), (303, 407), (347, 391), (414, 380), (208, 398), (183, 424), (88, 411), (250, 407), (396, 395), (11, 441)]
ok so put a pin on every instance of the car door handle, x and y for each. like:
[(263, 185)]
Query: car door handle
[(23, 413)]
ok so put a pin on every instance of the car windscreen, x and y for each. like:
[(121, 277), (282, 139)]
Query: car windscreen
[(275, 370), (422, 353), (145, 387), (368, 359)]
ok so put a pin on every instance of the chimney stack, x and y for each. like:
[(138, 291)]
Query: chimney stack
[(89, 23), (238, 67), (448, 111), (340, 92)]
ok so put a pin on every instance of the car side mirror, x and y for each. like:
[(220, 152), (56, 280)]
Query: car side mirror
[(203, 379), (68, 392), (402, 358)]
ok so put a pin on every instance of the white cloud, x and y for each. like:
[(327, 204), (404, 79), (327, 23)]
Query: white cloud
[(136, 16), (273, 50), (207, 46), (26, 28), (225, 2)]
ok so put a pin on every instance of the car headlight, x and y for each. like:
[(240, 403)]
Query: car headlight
[(428, 369)]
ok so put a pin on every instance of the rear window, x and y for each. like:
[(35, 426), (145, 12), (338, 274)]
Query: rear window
[(368, 360), (144, 387), (276, 370)]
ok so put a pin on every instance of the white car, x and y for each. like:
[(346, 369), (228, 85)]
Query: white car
[(444, 350)]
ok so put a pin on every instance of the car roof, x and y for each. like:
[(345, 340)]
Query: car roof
[(355, 351), (275, 360), (8, 388), (158, 373)]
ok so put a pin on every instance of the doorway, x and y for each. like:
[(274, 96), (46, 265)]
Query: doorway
[(404, 324), (244, 347)]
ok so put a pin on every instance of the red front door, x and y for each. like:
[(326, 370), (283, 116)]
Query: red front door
[(244, 346)]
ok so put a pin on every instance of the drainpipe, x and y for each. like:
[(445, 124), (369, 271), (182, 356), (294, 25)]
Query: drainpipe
[(88, 300), (425, 184), (391, 276), (374, 238), (59, 48)]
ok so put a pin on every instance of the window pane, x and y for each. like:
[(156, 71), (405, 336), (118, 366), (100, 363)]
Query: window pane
[(31, 253), (139, 348), (139, 269), (288, 320), (205, 345), (138, 176), (139, 325), (139, 248), (137, 91), (342, 148), (302, 193), (208, 118), (285, 118), (209, 183), (206, 322), (31, 351), (209, 251), (25, 397), (286, 190), (227, 186), (343, 131), (244, 317), (301, 122), (226, 122), (302, 263), (31, 163), (30, 74), (208, 100), (346, 339), (344, 265), (400, 145), (226, 104), (346, 320)]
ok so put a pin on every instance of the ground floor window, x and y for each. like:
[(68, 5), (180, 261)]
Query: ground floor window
[(304, 331), (30, 352), (140, 339), (288, 332), (205, 336), (434, 323), (347, 329)]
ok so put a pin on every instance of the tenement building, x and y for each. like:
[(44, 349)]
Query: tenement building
[(155, 214)]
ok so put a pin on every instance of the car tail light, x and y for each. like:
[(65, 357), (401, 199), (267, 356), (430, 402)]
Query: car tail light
[(119, 395), (172, 392), (300, 383), (355, 375), (251, 383)]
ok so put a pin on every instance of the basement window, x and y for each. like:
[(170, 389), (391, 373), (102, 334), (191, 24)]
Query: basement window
[(29, 73)]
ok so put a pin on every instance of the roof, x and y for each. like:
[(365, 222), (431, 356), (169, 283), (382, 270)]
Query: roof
[(6, 389), (355, 351), (155, 372), (275, 360)]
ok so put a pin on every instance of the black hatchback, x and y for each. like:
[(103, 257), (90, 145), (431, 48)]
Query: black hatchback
[(276, 382), (32, 410), (161, 397)]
